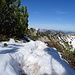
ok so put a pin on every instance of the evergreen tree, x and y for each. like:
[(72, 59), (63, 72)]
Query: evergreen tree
[(13, 18)]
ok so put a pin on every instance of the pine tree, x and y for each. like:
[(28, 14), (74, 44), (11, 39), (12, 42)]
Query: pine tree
[(13, 18)]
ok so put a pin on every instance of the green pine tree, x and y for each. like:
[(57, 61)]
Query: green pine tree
[(13, 18)]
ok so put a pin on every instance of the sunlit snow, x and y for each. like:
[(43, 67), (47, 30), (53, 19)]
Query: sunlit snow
[(32, 58)]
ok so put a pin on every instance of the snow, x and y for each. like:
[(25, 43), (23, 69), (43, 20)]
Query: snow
[(32, 58), (72, 40), (73, 43)]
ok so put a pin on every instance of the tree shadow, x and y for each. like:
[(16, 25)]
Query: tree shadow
[(15, 45), (17, 66), (12, 50), (45, 74), (54, 54)]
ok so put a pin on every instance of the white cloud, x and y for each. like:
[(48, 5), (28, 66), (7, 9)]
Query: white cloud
[(61, 12)]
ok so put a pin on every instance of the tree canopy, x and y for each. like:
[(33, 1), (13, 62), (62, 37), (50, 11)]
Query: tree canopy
[(13, 18)]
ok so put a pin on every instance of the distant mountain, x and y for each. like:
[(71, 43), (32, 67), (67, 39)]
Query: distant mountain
[(55, 31), (67, 32), (41, 30), (47, 31)]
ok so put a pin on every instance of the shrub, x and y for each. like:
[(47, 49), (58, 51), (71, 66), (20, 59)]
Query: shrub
[(3, 38), (33, 37), (56, 45), (5, 44), (70, 57)]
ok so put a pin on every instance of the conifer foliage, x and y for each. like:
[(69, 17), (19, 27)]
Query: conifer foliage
[(13, 18)]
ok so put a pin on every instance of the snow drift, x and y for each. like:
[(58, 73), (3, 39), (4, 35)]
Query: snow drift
[(32, 58)]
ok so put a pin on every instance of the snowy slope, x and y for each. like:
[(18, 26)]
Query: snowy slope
[(67, 41), (72, 40), (32, 58)]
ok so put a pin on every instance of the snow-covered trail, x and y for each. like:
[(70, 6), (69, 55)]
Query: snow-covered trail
[(32, 58)]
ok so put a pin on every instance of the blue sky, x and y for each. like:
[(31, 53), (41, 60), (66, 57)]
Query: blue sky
[(51, 14)]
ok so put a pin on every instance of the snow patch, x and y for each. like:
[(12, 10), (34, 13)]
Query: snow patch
[(11, 41), (32, 58)]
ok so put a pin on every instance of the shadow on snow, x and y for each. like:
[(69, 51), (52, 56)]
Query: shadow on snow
[(54, 54)]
